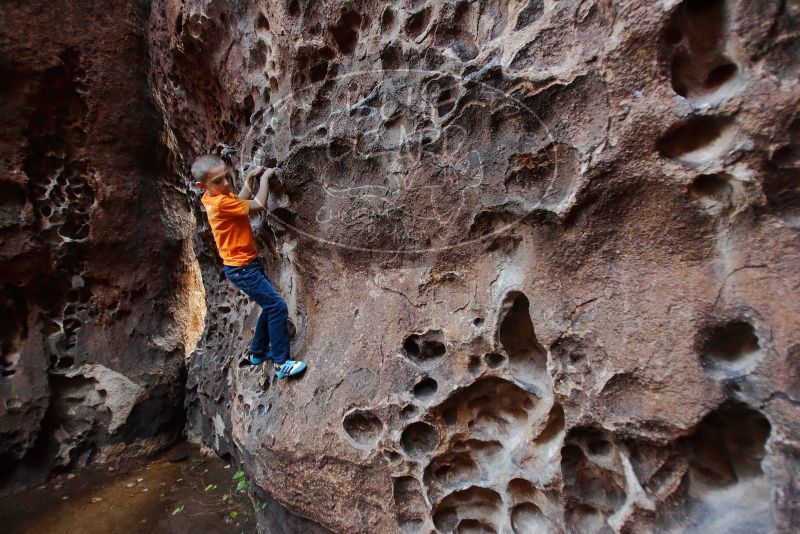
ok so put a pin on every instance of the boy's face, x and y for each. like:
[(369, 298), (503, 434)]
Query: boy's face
[(217, 182)]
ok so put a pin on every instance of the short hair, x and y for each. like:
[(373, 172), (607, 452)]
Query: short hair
[(202, 164)]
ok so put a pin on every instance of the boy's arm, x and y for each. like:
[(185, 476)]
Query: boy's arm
[(247, 188), (260, 202)]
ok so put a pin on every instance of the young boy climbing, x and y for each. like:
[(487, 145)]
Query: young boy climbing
[(228, 216)]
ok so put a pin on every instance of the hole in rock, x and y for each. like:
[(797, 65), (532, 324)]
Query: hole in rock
[(492, 408), (363, 427), (426, 388), (713, 187), (258, 55), (787, 157), (9, 359), (262, 23), (450, 416), (408, 411), (345, 32), (71, 324), (464, 463), (588, 483), (417, 22), (520, 489), (425, 349), (576, 358), (453, 30), (729, 345), (697, 140), (391, 56), (474, 365), (446, 519), (392, 456), (387, 19), (65, 362), (446, 102), (317, 72), (527, 518), (527, 358), (494, 360), (728, 447), (478, 321), (530, 14), (593, 439), (291, 329), (599, 447), (720, 75), (418, 439), (697, 33), (398, 130), (471, 504)]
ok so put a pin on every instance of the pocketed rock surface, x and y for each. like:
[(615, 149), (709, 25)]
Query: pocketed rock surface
[(541, 258), (100, 295)]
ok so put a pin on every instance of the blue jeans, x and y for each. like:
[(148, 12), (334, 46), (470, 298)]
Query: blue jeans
[(271, 326)]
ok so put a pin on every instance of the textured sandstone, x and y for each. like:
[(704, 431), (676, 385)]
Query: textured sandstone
[(540, 256), (98, 284)]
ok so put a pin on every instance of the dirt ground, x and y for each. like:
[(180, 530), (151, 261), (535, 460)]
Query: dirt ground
[(182, 490)]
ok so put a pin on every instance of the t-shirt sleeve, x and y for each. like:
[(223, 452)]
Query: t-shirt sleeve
[(231, 206)]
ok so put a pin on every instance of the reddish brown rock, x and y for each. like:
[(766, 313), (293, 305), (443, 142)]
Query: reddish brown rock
[(98, 288), (540, 258)]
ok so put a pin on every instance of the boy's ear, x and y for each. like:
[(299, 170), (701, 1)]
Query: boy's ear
[(201, 185)]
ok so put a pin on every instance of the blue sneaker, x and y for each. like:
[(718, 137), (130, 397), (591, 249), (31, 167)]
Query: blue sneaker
[(250, 358), (290, 368)]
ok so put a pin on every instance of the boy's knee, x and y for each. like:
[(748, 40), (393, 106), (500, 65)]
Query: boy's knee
[(279, 307)]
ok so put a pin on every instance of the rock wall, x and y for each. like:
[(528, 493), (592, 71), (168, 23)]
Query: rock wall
[(100, 295), (541, 258)]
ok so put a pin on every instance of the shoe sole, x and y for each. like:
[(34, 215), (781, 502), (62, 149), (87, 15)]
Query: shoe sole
[(295, 374)]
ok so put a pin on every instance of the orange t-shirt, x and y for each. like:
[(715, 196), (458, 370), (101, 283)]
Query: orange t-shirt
[(227, 215)]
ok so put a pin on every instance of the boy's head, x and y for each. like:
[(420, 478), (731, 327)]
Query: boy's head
[(211, 174)]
